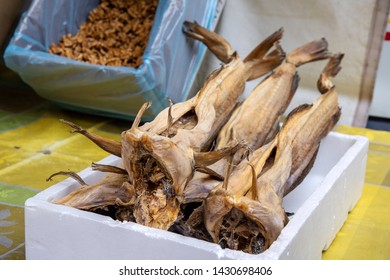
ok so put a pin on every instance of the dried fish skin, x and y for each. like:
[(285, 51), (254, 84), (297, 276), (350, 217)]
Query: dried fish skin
[(260, 111), (257, 112), (199, 187), (297, 175)]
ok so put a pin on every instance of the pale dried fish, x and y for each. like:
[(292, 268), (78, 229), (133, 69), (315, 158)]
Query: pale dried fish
[(113, 190), (160, 156), (254, 120), (260, 199), (240, 165), (177, 137)]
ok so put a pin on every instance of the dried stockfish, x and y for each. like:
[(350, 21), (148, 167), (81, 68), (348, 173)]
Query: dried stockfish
[(256, 188)]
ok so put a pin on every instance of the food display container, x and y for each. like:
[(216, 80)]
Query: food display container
[(320, 205)]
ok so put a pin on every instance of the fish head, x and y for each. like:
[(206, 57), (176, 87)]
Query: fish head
[(267, 220), (241, 223), (159, 170)]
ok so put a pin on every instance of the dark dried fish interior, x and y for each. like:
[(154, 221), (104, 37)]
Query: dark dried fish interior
[(240, 233), (154, 177)]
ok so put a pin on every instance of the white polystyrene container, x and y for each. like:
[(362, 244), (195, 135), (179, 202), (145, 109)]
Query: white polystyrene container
[(320, 205)]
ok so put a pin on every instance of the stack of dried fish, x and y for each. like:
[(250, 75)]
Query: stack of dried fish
[(244, 212), (214, 168)]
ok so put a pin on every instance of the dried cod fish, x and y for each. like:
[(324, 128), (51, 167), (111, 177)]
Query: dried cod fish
[(254, 121), (244, 211), (248, 205), (304, 155), (177, 140), (160, 156)]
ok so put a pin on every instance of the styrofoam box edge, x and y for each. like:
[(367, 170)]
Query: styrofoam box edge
[(320, 209)]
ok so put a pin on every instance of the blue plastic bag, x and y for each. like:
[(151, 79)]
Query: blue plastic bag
[(170, 61)]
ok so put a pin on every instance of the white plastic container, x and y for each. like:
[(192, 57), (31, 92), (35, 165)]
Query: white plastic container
[(321, 204)]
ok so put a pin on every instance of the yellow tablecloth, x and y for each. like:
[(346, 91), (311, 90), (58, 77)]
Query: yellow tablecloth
[(34, 144)]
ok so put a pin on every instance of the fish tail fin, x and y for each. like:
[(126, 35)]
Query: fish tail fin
[(324, 83), (312, 51), (262, 59), (214, 42)]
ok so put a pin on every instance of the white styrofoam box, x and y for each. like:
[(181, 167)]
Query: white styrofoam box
[(320, 205)]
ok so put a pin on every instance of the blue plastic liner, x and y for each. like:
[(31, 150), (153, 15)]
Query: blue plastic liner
[(170, 61)]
